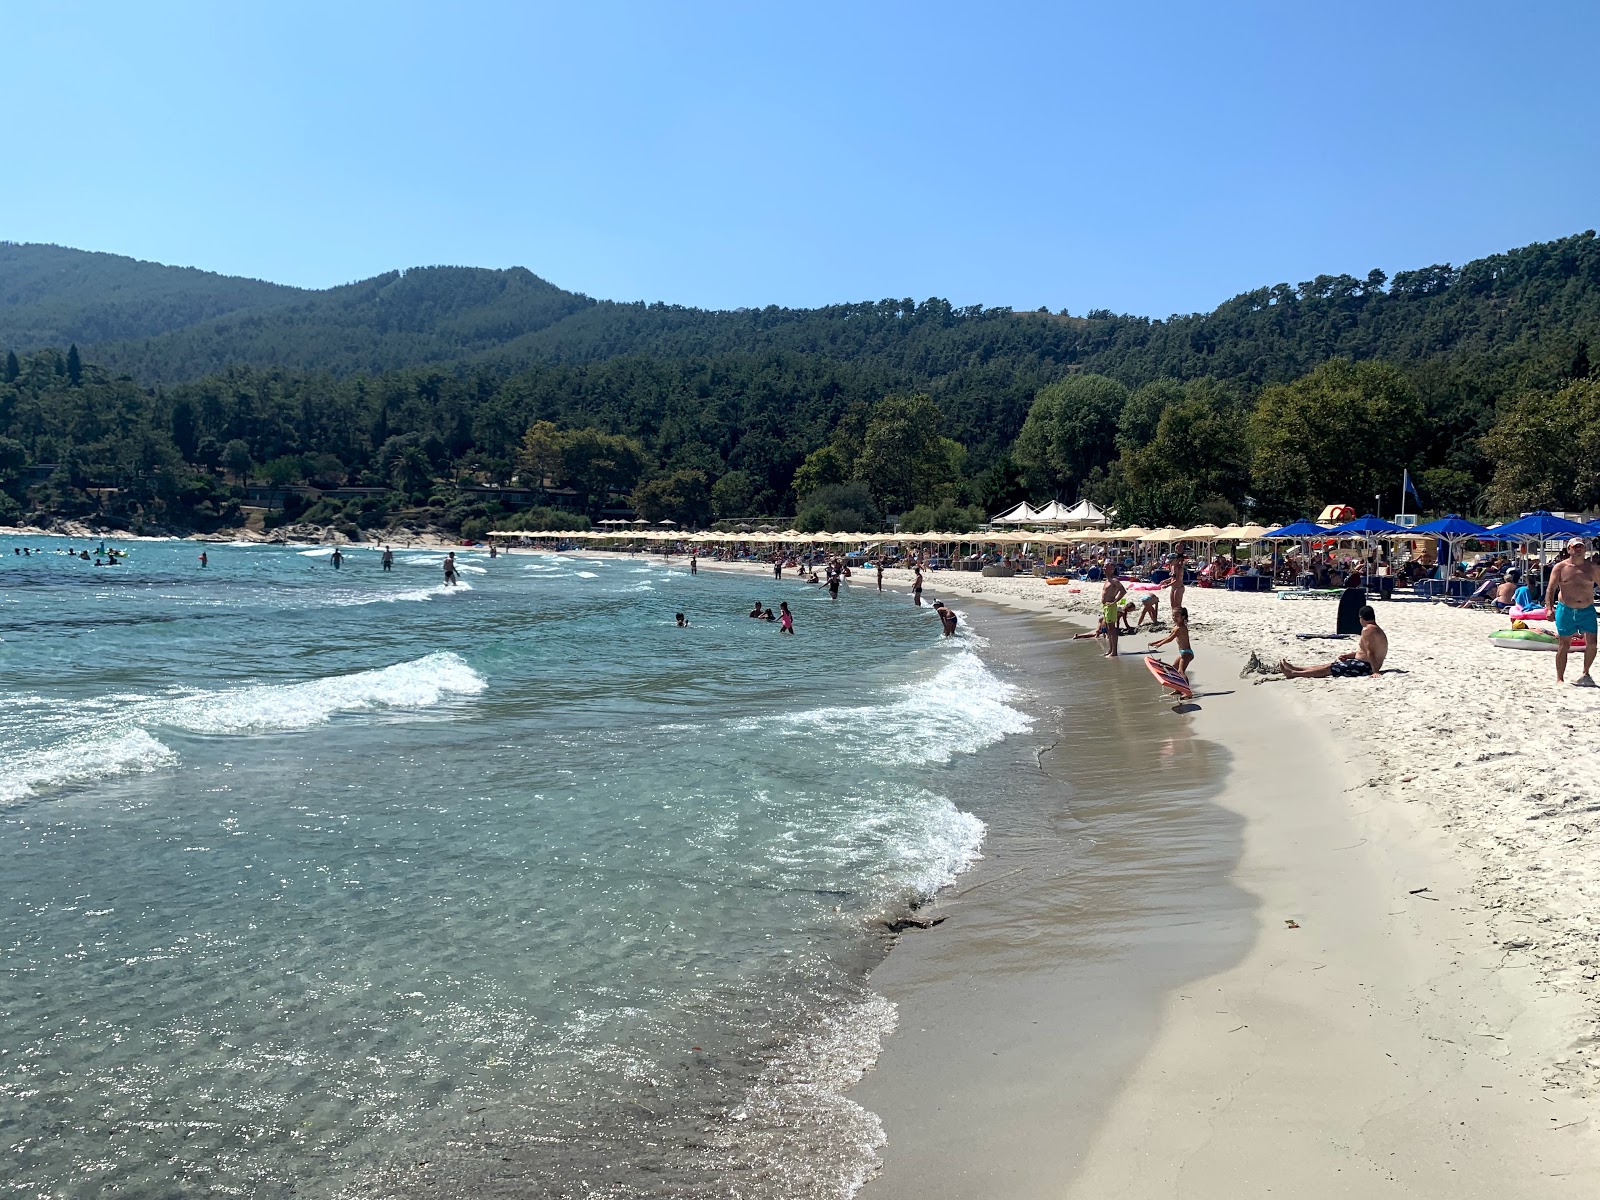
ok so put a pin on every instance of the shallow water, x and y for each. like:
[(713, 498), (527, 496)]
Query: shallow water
[(323, 882)]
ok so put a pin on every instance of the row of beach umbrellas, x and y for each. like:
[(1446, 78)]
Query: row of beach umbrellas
[(1535, 527)]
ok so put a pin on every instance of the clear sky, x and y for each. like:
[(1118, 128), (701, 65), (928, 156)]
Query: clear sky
[(1148, 158)]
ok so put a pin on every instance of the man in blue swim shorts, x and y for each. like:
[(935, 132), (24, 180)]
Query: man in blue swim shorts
[(1572, 584)]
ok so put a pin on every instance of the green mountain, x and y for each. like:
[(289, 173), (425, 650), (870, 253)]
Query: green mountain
[(53, 296), (413, 379)]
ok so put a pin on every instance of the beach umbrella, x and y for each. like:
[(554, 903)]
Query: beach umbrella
[(1452, 531), (1162, 535), (1538, 526), (1367, 530), (1366, 527), (1296, 529)]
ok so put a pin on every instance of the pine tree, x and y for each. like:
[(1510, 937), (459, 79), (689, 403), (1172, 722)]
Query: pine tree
[(74, 365), (13, 367)]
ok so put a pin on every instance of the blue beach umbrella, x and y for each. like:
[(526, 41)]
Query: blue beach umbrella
[(1539, 526), (1453, 528), (1452, 531), (1299, 529), (1366, 527)]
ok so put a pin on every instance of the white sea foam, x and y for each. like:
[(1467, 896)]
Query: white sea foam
[(319, 552), (419, 683), (113, 735), (587, 575), (80, 758), (410, 594), (961, 709)]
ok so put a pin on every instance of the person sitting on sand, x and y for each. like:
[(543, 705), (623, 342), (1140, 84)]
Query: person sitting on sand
[(1506, 594), (1366, 659), (1179, 634)]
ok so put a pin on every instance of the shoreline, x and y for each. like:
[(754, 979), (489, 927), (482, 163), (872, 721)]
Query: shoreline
[(1421, 1029), (1386, 1043)]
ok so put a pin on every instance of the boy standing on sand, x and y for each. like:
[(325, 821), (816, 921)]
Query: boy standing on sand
[(1111, 595), (1572, 584)]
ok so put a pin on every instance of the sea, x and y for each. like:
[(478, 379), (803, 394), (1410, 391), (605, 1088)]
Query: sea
[(340, 882)]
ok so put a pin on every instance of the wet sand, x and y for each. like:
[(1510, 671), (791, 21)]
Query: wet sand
[(1239, 991), (1104, 887)]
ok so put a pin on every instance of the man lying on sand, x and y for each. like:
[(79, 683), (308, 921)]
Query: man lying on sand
[(1366, 659)]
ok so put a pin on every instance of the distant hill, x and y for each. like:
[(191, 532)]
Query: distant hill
[(427, 315), (53, 296), (1519, 316)]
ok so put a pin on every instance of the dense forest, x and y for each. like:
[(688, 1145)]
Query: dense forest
[(154, 395)]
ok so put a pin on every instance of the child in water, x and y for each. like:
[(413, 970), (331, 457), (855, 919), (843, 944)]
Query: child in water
[(785, 617)]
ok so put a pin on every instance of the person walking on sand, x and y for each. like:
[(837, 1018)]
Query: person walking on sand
[(1179, 634), (1365, 660), (388, 559), (785, 617), (1111, 594), (450, 575), (1571, 591)]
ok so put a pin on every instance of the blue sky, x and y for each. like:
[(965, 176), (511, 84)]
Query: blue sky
[(1148, 158)]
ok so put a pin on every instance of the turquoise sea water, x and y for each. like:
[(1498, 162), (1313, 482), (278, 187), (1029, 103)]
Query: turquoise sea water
[(328, 882)]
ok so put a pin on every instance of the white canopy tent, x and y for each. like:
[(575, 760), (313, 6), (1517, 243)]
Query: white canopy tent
[(1022, 514)]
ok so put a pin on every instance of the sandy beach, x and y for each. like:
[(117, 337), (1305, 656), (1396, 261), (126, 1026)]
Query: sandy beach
[(1415, 1010)]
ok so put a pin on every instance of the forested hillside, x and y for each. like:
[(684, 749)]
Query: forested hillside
[(1279, 400), (53, 296)]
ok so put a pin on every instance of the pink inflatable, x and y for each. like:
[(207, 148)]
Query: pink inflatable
[(1533, 614)]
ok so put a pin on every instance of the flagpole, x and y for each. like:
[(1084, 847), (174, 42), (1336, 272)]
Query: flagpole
[(1405, 483)]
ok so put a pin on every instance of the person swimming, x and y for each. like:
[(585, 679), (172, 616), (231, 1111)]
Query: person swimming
[(757, 612), (683, 621)]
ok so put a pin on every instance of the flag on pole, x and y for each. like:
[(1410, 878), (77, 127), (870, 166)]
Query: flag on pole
[(1410, 490)]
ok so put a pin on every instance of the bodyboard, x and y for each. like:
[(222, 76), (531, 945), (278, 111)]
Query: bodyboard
[(1168, 677)]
